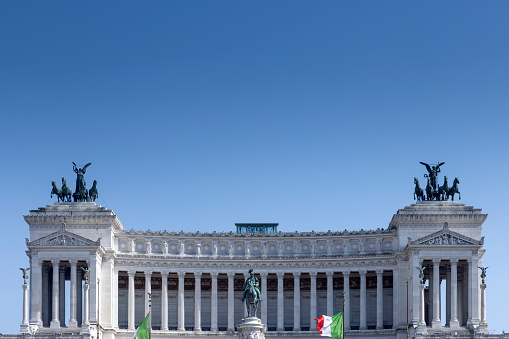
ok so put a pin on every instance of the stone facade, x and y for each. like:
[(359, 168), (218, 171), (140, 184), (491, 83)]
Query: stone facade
[(195, 279)]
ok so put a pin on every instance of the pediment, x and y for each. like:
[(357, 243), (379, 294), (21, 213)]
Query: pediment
[(446, 237), (63, 238)]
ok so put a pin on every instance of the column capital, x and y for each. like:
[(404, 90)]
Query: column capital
[(313, 274), (73, 262), (329, 274), (165, 274), (264, 275), (296, 275), (362, 273), (148, 274), (214, 275), (197, 275), (436, 261), (453, 261), (280, 275), (131, 273), (181, 274), (230, 274), (346, 273), (379, 272), (55, 261)]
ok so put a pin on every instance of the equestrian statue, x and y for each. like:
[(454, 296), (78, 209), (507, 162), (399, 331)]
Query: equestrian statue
[(251, 294)]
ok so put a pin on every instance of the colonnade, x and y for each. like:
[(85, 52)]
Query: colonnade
[(263, 276)]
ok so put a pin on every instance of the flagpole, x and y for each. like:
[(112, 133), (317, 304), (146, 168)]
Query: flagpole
[(150, 315)]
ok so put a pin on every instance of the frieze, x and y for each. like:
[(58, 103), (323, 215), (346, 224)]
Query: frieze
[(447, 237), (62, 238)]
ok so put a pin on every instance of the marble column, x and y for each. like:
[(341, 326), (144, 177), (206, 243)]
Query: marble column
[(130, 300), (213, 302), (36, 292), (264, 275), (430, 297), (55, 323), (164, 301), (24, 328), (474, 289), (197, 301), (454, 323), (296, 301), (312, 308), (395, 299), (72, 296), (231, 304), (330, 292), (86, 301), (61, 296), (436, 322), (180, 299), (363, 325), (421, 327), (469, 291), (483, 306), (448, 297), (379, 300), (79, 295), (346, 289), (280, 302), (148, 289)]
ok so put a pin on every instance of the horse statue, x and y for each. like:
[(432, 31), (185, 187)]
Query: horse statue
[(93, 193), (454, 189), (430, 191), (56, 190), (442, 190), (418, 192), (251, 294), (66, 191)]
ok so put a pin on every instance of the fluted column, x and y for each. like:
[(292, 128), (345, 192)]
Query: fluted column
[(213, 302), (264, 275), (24, 328), (421, 327), (86, 301), (379, 300), (475, 286), (72, 296), (36, 292), (55, 323), (436, 322), (197, 301), (148, 289), (231, 304), (180, 309), (61, 296), (346, 289), (164, 301), (312, 310), (280, 302), (454, 323), (296, 301), (363, 301), (395, 299), (130, 300), (448, 297), (330, 293)]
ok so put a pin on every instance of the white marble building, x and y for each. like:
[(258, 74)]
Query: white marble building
[(196, 278)]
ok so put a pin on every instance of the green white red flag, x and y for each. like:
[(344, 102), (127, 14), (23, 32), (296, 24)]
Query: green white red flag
[(331, 326), (143, 331)]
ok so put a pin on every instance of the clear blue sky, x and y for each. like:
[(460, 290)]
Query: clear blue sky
[(197, 115)]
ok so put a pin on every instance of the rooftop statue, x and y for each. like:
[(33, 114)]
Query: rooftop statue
[(251, 294), (432, 173), (433, 190), (81, 193)]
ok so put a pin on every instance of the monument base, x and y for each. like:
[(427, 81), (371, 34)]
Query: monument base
[(251, 328)]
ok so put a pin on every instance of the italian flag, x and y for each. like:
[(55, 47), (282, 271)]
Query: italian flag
[(143, 331), (331, 326)]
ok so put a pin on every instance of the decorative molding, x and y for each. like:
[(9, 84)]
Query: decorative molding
[(63, 238)]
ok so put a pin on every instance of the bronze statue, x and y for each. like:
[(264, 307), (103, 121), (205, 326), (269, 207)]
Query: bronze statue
[(421, 274), (418, 192), (454, 189), (442, 190), (483, 272), (56, 190), (432, 173), (66, 191), (25, 274), (93, 193), (251, 294), (81, 192), (86, 273)]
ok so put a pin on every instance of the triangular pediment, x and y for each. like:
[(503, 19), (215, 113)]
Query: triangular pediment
[(446, 237), (63, 238)]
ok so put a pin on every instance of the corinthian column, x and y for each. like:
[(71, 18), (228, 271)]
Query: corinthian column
[(454, 323), (280, 302), (213, 302), (436, 322), (363, 301), (180, 309), (312, 311), (148, 289), (164, 301), (130, 298), (55, 323), (379, 299), (231, 305), (346, 288), (296, 301), (197, 301), (330, 292), (72, 311)]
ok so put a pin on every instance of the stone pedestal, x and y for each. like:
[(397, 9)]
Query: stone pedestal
[(251, 328)]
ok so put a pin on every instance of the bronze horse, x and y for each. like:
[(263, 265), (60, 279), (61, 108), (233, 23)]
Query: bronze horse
[(454, 189), (418, 192)]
